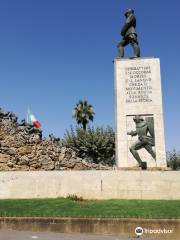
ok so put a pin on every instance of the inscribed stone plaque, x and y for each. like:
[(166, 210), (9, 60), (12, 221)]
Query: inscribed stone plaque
[(138, 84)]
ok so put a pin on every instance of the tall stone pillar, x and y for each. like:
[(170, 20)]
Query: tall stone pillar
[(139, 113)]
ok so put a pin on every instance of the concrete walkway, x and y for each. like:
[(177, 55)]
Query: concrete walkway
[(27, 235)]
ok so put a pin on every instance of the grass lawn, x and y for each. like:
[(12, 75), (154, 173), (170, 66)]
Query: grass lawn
[(66, 207)]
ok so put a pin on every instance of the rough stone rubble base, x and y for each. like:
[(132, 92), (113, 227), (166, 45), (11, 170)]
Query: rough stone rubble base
[(124, 109), (118, 184)]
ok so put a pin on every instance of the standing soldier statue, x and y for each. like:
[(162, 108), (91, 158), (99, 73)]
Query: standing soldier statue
[(129, 35)]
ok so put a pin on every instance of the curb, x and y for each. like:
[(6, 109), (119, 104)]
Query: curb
[(114, 226)]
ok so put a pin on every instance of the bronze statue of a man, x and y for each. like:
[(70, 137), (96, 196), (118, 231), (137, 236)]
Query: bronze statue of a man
[(146, 138), (129, 35)]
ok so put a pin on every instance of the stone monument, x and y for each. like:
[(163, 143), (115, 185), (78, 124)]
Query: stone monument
[(139, 112)]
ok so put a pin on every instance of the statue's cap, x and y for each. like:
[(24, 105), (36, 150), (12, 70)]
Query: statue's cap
[(129, 10)]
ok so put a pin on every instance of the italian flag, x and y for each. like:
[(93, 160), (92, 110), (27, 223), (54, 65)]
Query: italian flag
[(31, 120)]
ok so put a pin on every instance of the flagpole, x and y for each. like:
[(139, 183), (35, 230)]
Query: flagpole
[(27, 116)]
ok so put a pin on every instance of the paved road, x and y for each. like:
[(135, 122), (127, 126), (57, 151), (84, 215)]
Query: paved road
[(25, 235)]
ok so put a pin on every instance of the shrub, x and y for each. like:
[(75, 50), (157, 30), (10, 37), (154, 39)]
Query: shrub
[(75, 198), (173, 160), (96, 144)]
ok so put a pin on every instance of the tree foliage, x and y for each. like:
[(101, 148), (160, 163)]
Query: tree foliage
[(95, 144), (173, 160), (83, 113)]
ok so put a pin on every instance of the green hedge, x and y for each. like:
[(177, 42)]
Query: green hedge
[(173, 160), (95, 144)]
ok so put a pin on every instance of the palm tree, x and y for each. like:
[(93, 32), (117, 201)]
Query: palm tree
[(83, 113)]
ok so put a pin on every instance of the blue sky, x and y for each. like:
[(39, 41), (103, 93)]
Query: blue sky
[(55, 52)]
